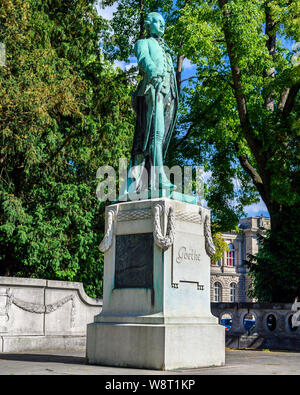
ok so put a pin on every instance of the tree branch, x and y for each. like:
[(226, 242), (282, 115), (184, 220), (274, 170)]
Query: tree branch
[(186, 79), (67, 139), (2, 159), (290, 100), (180, 59), (142, 19), (271, 45), (254, 144), (250, 170), (185, 136), (283, 97)]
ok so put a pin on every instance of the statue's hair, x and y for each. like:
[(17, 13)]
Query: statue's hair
[(148, 20)]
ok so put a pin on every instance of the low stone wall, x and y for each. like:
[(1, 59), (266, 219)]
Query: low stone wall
[(44, 314), (40, 314), (272, 330)]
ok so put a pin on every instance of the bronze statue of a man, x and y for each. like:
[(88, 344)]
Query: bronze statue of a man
[(155, 103)]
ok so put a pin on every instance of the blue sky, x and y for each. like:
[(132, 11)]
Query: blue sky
[(189, 70)]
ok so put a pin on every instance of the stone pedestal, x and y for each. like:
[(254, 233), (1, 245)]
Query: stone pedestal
[(156, 301)]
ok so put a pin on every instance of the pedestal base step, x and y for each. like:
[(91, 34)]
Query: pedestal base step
[(161, 347)]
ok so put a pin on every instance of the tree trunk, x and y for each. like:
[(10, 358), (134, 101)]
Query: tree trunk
[(271, 45), (180, 59), (142, 19)]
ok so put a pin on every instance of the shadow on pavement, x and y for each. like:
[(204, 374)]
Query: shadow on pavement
[(43, 358)]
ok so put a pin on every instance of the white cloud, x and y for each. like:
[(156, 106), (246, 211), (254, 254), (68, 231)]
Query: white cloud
[(119, 63), (106, 12), (187, 64), (256, 209), (124, 65)]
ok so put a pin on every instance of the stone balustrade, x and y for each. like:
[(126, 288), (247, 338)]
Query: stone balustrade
[(272, 330), (37, 314)]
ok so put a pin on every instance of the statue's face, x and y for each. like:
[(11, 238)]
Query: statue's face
[(157, 26)]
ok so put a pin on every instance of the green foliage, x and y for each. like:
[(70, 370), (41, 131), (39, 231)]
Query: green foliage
[(187, 32), (127, 24), (239, 112), (221, 247), (64, 112), (275, 270), (217, 39)]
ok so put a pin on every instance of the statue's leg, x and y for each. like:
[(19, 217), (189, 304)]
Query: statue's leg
[(157, 147), (140, 173)]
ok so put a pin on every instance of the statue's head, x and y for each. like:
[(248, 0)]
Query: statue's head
[(155, 24)]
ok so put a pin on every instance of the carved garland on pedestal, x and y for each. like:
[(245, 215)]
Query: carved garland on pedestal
[(132, 215), (39, 308), (166, 241), (108, 237), (209, 244), (162, 241)]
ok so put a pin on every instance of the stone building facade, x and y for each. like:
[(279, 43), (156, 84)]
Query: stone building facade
[(229, 278)]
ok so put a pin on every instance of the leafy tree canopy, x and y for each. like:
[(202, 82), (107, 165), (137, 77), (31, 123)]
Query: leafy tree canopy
[(239, 115), (64, 111)]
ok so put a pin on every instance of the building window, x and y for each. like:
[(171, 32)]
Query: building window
[(230, 257), (232, 292), (217, 292)]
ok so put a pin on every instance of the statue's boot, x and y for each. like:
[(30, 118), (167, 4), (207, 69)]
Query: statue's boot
[(164, 182)]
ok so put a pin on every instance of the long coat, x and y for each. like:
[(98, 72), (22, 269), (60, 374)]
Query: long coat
[(154, 59)]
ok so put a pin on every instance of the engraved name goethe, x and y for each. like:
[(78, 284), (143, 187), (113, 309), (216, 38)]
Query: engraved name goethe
[(188, 255), (189, 262)]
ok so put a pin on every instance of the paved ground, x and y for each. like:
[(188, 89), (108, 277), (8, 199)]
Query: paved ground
[(73, 363)]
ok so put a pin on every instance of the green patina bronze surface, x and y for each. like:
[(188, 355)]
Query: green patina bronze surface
[(155, 103)]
